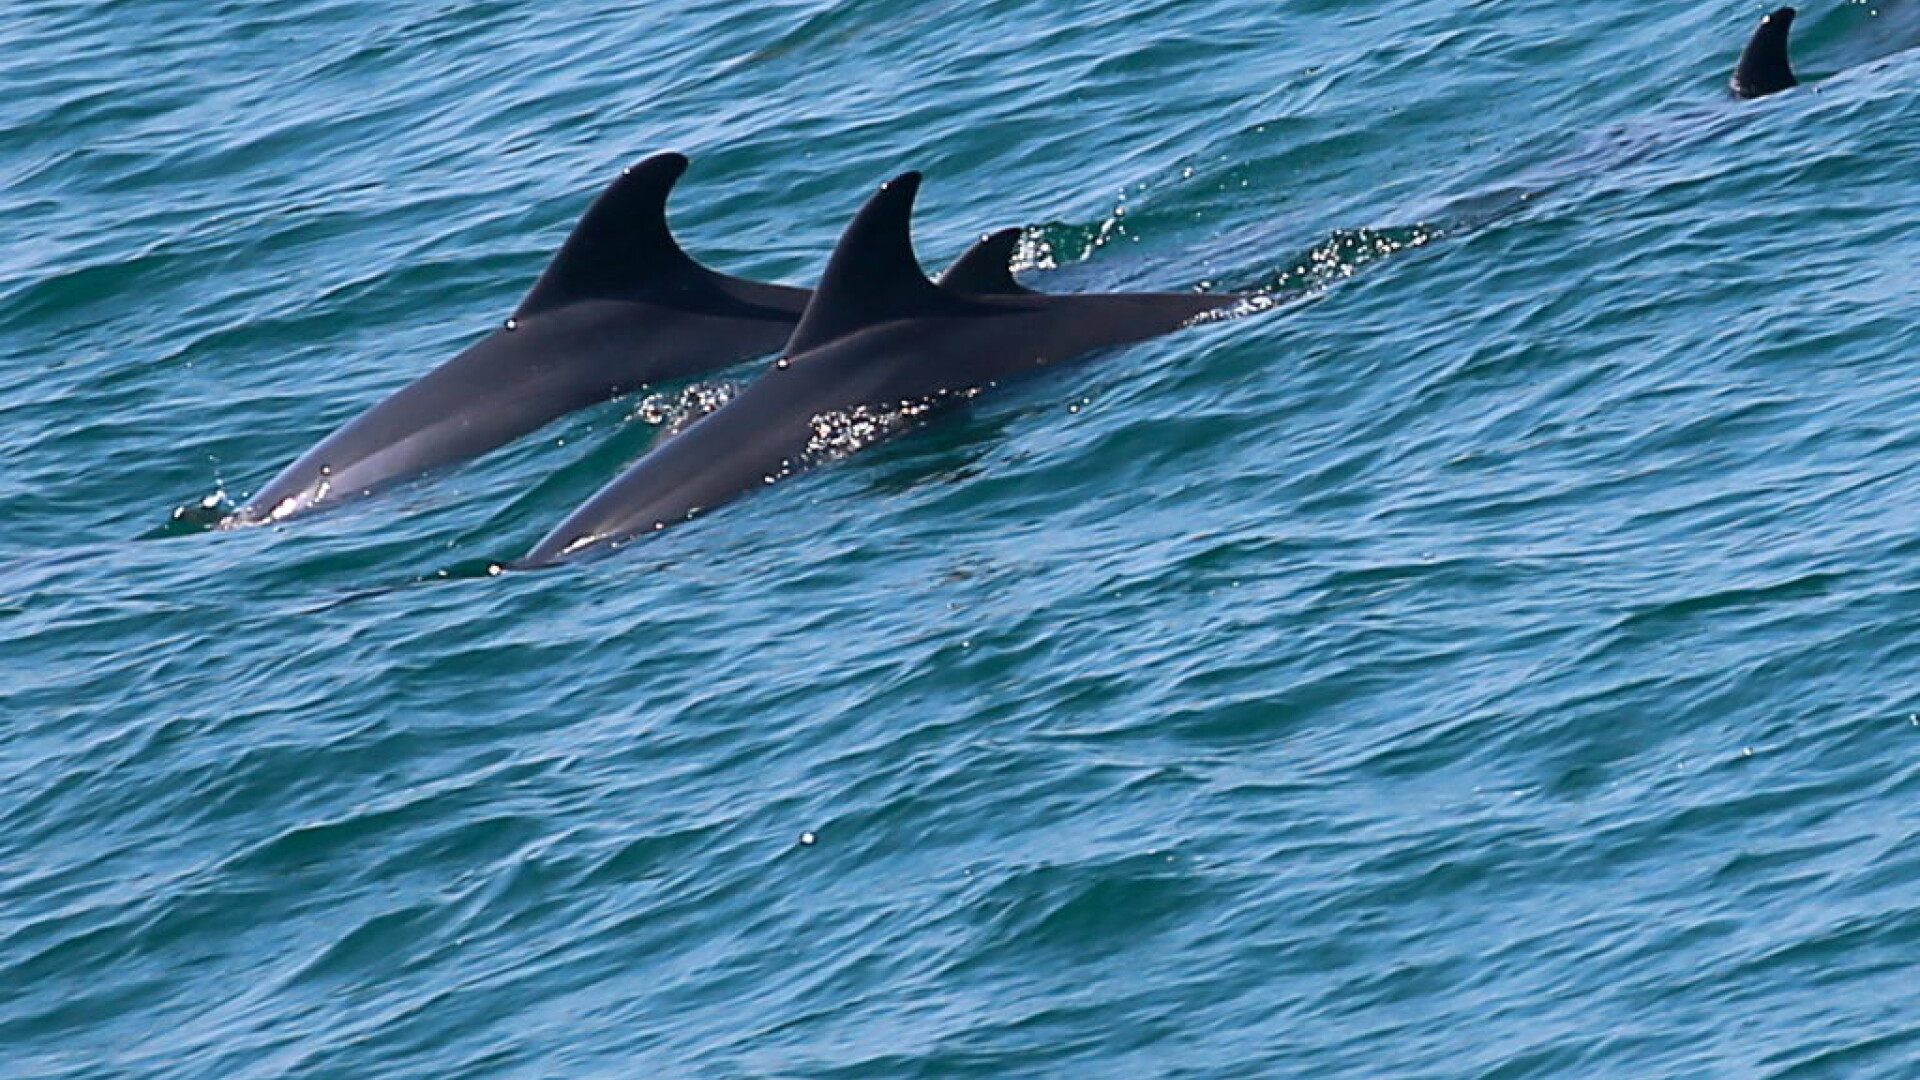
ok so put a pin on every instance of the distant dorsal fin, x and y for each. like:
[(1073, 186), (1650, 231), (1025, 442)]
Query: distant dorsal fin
[(1764, 67), (987, 267), (873, 275), (621, 249)]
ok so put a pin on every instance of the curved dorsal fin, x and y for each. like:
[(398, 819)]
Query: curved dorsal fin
[(873, 275), (1764, 67), (621, 249), (986, 267)]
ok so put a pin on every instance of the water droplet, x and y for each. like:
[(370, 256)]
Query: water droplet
[(513, 324), (783, 363), (807, 839)]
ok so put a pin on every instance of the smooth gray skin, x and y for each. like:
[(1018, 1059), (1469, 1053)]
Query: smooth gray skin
[(620, 307), (877, 334), (1764, 67)]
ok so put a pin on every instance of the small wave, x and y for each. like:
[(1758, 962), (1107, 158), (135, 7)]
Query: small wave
[(202, 515)]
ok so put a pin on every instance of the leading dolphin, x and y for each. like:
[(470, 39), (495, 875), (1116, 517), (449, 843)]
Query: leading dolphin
[(621, 306), (1764, 67), (877, 336)]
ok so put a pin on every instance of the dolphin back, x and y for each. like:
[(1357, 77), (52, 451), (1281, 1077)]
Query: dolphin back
[(878, 337), (621, 305), (1764, 66)]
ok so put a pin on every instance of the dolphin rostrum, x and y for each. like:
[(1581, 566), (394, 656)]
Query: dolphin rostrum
[(880, 338), (1764, 68), (621, 306)]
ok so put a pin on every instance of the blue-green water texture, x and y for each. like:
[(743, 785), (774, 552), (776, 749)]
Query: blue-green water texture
[(1497, 659)]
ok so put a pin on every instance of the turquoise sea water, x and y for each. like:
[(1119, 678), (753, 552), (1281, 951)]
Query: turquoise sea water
[(1497, 661)]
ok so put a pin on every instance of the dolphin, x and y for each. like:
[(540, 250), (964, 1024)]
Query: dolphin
[(621, 306), (878, 337), (987, 266), (1764, 67)]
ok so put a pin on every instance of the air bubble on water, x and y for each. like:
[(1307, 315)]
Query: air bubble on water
[(842, 431), (1033, 252), (677, 410)]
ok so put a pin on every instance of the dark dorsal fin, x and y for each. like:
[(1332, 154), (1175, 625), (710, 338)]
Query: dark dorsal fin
[(873, 275), (621, 249), (987, 267), (1764, 67)]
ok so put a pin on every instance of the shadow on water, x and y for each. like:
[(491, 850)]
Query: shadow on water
[(1843, 37)]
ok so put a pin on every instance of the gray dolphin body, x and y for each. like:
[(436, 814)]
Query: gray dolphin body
[(621, 306), (877, 335), (1764, 67)]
